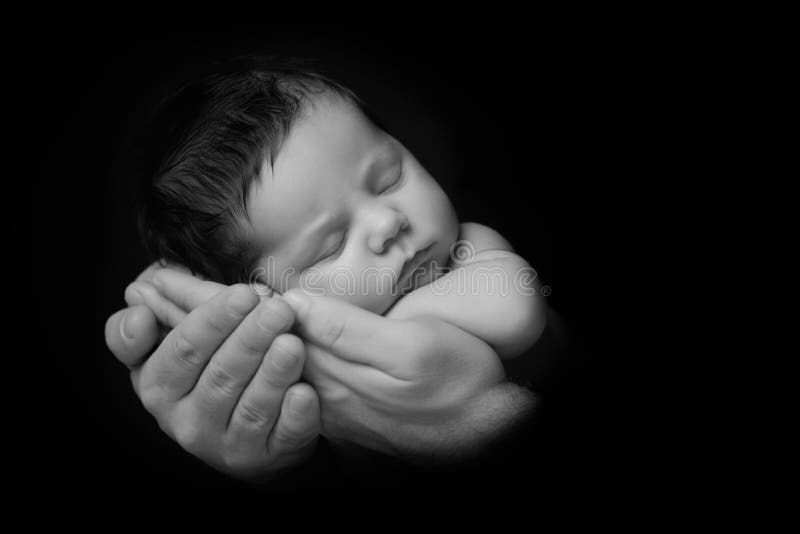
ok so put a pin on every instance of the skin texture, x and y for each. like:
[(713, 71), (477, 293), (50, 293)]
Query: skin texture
[(343, 200), (223, 382), (343, 207), (340, 197), (388, 400)]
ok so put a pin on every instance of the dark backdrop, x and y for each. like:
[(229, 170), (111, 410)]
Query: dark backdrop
[(533, 125)]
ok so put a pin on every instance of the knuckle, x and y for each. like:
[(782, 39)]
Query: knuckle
[(152, 398), (249, 344), (273, 378), (219, 324), (221, 380), (331, 330), (291, 440), (253, 416), (188, 436), (184, 350)]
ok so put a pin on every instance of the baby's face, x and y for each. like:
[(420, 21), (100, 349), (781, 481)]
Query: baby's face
[(345, 207)]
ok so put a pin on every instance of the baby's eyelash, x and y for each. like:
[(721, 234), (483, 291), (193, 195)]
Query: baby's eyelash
[(395, 183), (338, 248)]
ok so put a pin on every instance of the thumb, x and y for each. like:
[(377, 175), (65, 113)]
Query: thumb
[(184, 289), (131, 334), (350, 332)]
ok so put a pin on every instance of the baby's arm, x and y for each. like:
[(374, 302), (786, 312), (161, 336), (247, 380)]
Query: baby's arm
[(491, 294)]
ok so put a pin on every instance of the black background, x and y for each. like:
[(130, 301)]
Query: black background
[(541, 127)]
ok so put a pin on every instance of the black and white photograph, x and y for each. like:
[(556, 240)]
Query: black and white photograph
[(297, 266)]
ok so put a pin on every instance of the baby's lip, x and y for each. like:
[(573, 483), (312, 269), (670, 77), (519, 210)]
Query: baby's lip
[(412, 263)]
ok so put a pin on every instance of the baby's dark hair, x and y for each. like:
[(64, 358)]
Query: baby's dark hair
[(203, 149)]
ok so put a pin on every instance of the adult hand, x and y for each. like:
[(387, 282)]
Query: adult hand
[(421, 389), (223, 382)]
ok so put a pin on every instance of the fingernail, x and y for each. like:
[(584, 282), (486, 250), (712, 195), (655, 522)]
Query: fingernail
[(299, 403), (123, 328), (283, 360), (133, 295), (296, 299), (274, 315), (241, 302)]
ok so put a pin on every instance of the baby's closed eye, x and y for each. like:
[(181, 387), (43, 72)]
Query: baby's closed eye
[(339, 241)]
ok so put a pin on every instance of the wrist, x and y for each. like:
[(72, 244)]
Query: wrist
[(496, 414), (492, 417)]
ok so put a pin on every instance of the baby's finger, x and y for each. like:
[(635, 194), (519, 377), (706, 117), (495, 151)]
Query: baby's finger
[(131, 334), (184, 290), (167, 313), (350, 332), (174, 368), (260, 404), (298, 424)]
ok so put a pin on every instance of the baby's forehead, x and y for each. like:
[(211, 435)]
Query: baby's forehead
[(325, 156), (330, 134), (338, 117)]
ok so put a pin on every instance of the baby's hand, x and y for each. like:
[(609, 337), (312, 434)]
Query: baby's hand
[(491, 292)]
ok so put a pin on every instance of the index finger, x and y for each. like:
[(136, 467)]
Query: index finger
[(179, 361), (186, 291), (350, 332)]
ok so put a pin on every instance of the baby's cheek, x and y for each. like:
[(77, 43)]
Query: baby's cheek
[(370, 290), (442, 221), (436, 206), (373, 290)]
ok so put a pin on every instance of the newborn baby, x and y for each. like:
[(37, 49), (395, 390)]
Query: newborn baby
[(271, 174)]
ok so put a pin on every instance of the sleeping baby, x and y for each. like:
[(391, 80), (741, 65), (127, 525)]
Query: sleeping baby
[(266, 173)]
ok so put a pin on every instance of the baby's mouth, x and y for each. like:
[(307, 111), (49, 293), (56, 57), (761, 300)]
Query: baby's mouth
[(411, 266)]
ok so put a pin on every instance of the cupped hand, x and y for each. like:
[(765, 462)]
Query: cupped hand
[(224, 380), (418, 388)]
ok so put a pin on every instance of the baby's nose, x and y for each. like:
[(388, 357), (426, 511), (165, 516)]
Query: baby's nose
[(386, 227)]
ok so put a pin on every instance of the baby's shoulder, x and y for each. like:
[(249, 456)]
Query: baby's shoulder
[(478, 243)]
